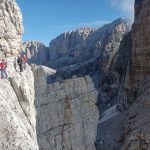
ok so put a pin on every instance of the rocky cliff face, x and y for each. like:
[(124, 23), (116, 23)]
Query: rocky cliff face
[(104, 65), (134, 89), (17, 112), (66, 115), (85, 44), (140, 68), (67, 48), (137, 133), (11, 28), (66, 112), (103, 60), (79, 46), (37, 52)]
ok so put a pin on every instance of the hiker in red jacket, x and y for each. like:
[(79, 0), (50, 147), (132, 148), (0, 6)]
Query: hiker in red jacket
[(3, 66), (24, 58)]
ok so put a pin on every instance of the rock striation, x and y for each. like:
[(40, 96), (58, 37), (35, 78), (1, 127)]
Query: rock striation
[(66, 112), (137, 133), (134, 88), (140, 68), (17, 113), (11, 28)]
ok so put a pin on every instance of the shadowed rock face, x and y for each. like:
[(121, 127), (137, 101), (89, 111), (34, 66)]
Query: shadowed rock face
[(140, 57), (137, 132), (136, 135), (136, 88), (11, 28)]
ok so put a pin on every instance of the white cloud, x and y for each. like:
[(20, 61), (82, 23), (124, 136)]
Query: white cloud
[(125, 6)]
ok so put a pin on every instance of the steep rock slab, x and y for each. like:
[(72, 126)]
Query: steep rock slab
[(23, 85), (11, 28), (66, 113), (17, 115)]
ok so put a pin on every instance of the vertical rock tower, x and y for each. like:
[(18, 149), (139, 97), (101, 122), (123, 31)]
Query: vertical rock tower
[(17, 113), (140, 57), (11, 28)]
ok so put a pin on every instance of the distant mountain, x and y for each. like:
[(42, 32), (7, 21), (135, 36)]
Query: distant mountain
[(37, 52), (79, 46)]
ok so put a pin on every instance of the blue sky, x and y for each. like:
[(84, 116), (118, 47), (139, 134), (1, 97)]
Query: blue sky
[(45, 19)]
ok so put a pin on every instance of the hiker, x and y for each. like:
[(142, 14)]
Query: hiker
[(15, 63), (3, 66), (24, 58), (20, 63)]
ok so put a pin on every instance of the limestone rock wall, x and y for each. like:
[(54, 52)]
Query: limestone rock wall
[(68, 47), (113, 89), (137, 133), (11, 28), (79, 46), (17, 113), (75, 49), (140, 68), (37, 52), (66, 113)]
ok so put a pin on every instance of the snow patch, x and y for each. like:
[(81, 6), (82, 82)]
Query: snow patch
[(109, 113)]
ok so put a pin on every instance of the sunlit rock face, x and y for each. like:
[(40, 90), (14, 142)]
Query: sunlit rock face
[(140, 57), (37, 52), (11, 28), (84, 44), (66, 112), (67, 48), (79, 46), (17, 113)]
